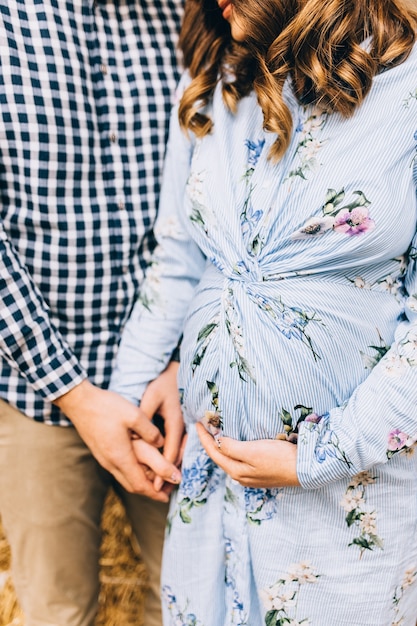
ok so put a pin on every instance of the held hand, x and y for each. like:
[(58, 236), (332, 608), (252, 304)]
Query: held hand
[(106, 422), (162, 397), (266, 463)]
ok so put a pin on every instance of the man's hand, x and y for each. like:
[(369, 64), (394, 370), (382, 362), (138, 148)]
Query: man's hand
[(107, 422), (162, 397), (266, 463)]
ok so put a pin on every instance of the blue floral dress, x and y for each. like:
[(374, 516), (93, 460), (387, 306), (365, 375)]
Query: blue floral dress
[(294, 287)]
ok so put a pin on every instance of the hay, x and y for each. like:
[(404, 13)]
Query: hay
[(10, 613), (122, 574)]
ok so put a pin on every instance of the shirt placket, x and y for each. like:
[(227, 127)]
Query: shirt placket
[(108, 73)]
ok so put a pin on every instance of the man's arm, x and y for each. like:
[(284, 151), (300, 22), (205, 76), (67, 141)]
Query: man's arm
[(32, 345)]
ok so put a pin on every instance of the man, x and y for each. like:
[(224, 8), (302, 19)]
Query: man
[(85, 92)]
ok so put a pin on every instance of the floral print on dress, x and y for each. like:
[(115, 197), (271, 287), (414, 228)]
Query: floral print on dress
[(350, 219), (261, 504), (393, 283), (309, 144), (327, 444), (414, 159), (412, 302), (199, 480), (399, 442), (410, 576), (291, 424), (238, 614), (235, 332), (212, 419), (204, 337), (370, 360), (408, 100), (402, 355), (249, 217), (179, 617), (254, 152), (200, 214), (149, 296), (292, 322), (354, 503), (280, 599)]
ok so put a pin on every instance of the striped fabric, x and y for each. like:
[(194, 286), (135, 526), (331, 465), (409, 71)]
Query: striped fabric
[(295, 287), (85, 92)]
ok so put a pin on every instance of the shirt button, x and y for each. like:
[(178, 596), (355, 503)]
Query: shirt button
[(125, 269), (121, 205), (113, 137), (103, 68)]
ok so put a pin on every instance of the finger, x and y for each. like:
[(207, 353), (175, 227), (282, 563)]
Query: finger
[(215, 452), (174, 433), (180, 456), (150, 456), (149, 473), (236, 450), (146, 430), (132, 477), (150, 401)]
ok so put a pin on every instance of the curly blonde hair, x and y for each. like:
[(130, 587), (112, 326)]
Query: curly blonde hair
[(319, 44)]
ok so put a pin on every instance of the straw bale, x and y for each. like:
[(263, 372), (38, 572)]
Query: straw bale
[(122, 572)]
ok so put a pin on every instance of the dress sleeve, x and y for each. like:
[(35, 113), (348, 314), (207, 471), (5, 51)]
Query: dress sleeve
[(156, 322), (29, 342), (380, 418)]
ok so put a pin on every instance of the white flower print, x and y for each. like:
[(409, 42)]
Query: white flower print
[(200, 214), (280, 599), (409, 578), (354, 503), (390, 284), (379, 351), (309, 144), (302, 573), (149, 295), (195, 186), (412, 303), (168, 227), (235, 332), (276, 600), (394, 364), (361, 283), (367, 523), (403, 356), (363, 478), (351, 501)]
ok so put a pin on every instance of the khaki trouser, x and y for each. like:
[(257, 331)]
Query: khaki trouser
[(52, 493)]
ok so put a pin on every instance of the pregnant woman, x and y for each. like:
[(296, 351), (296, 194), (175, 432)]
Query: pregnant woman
[(287, 260)]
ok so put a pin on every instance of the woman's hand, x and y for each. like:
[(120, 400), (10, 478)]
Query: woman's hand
[(266, 463), (162, 397)]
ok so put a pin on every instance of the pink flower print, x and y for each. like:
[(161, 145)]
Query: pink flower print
[(353, 222), (397, 440), (313, 418)]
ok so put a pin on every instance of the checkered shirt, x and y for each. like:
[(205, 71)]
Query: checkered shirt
[(85, 92)]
